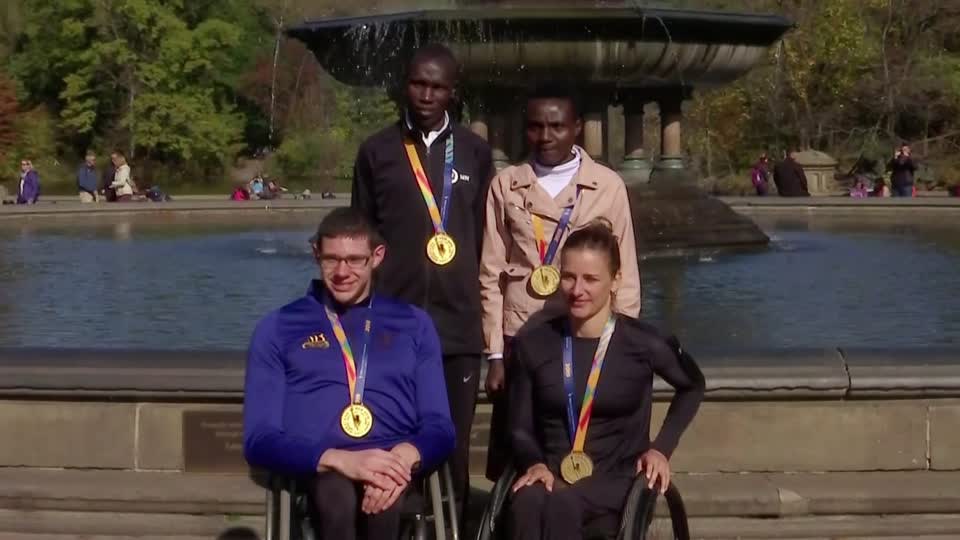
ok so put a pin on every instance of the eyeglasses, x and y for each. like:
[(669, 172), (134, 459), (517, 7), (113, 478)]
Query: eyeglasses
[(354, 262)]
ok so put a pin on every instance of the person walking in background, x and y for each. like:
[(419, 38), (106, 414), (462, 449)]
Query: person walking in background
[(790, 178), (902, 169), (87, 179), (122, 182), (29, 190)]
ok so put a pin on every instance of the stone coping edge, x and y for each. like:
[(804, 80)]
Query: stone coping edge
[(714, 495), (785, 374)]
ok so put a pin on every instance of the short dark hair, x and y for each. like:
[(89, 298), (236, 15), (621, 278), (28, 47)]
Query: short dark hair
[(439, 53), (561, 91), (597, 236), (347, 222)]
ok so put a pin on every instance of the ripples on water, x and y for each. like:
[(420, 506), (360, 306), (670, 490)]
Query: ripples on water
[(822, 283)]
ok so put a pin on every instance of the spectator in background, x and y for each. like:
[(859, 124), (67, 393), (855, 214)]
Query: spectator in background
[(29, 190), (760, 175), (87, 179), (122, 181), (790, 178), (109, 174), (902, 169)]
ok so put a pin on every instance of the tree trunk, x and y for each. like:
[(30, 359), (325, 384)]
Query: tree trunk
[(132, 124), (273, 74)]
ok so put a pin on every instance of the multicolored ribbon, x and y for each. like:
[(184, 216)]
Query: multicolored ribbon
[(547, 253), (578, 427), (437, 215), (355, 381)]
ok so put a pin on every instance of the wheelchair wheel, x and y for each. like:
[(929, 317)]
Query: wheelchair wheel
[(638, 512), (491, 523)]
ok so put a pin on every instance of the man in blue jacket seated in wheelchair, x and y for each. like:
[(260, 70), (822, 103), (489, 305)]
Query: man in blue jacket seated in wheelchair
[(345, 389)]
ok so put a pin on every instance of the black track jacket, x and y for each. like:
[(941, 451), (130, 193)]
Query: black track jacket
[(384, 188)]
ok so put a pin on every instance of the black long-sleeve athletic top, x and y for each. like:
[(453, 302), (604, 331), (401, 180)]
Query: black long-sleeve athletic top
[(619, 430)]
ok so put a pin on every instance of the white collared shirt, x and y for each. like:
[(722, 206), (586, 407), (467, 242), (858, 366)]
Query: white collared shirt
[(429, 138)]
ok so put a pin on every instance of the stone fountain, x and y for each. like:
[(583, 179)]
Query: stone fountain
[(621, 56)]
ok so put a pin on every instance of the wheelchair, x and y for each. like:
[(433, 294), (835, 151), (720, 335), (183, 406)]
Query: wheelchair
[(288, 510), (634, 521)]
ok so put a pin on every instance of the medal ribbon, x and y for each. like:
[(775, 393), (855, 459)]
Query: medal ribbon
[(578, 428), (547, 253), (437, 215), (355, 381)]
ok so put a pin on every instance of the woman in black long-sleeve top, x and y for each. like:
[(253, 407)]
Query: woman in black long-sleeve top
[(563, 488)]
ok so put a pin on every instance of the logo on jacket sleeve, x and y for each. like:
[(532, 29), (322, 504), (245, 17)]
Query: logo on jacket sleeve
[(316, 341)]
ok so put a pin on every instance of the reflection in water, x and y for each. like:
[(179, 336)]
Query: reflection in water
[(823, 282)]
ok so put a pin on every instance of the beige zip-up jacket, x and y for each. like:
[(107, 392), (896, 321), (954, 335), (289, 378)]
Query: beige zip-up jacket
[(510, 247)]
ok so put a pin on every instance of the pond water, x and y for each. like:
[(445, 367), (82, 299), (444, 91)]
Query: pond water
[(185, 284)]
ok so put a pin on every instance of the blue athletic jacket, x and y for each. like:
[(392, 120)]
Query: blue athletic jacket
[(296, 384)]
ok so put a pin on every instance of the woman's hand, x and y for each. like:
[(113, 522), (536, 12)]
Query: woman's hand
[(536, 473), (654, 466)]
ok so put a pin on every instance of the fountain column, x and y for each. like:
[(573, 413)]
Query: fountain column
[(593, 127), (636, 167), (479, 121), (498, 125), (670, 166)]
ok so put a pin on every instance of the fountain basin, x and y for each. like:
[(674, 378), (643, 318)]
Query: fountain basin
[(516, 47)]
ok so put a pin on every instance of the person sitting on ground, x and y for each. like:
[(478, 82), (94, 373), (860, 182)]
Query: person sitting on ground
[(578, 459), (255, 188), (87, 179), (29, 189), (122, 183), (344, 389), (240, 193)]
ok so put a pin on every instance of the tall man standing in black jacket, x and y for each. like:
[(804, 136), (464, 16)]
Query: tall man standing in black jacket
[(423, 182)]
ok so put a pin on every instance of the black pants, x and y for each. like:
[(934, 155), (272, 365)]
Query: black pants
[(337, 515), (595, 503), (462, 373), (498, 447)]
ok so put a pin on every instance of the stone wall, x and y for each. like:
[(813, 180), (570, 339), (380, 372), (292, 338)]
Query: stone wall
[(766, 411)]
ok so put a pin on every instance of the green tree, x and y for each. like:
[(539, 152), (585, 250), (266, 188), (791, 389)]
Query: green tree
[(155, 73)]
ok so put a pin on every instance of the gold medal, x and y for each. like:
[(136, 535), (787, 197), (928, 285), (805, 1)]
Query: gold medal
[(356, 420), (441, 249), (575, 467), (545, 280)]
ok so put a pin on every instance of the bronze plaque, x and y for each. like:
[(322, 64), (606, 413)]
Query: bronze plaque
[(213, 442)]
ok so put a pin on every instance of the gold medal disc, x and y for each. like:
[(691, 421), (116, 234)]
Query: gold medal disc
[(575, 467), (356, 420), (545, 280), (441, 249)]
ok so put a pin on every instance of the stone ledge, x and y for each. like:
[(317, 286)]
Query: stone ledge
[(784, 374), (709, 495), (927, 372), (130, 492)]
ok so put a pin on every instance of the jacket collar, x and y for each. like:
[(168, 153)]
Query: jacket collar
[(426, 138), (585, 177)]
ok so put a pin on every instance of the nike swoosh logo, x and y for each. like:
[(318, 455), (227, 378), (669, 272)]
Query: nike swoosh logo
[(467, 378)]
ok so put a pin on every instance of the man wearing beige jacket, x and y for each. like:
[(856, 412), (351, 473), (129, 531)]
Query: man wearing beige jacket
[(559, 185)]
